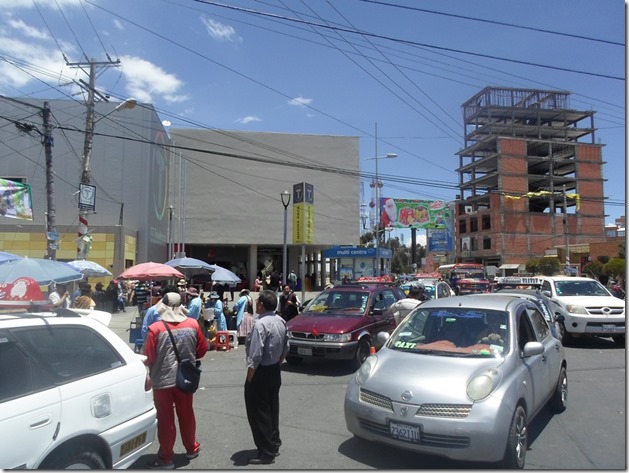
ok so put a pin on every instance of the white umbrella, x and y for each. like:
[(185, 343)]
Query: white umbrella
[(190, 266), (221, 274), (89, 269)]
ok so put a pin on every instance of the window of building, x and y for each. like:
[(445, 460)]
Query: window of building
[(486, 243), (486, 222)]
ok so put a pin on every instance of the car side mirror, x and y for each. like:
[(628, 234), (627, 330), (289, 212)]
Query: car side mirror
[(547, 293), (559, 317), (383, 337), (375, 311), (532, 349)]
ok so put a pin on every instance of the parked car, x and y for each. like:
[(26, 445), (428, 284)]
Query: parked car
[(591, 310), (72, 394), (460, 377), (342, 321), (433, 289)]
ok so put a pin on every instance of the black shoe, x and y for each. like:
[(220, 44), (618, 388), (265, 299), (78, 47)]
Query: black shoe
[(261, 460)]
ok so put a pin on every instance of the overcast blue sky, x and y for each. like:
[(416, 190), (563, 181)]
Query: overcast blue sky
[(332, 67)]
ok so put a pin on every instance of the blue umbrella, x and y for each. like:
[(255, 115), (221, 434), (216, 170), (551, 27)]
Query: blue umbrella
[(4, 256), (44, 271), (221, 274), (190, 266)]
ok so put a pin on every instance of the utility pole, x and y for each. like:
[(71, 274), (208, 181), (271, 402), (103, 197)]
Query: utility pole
[(51, 224), (565, 230), (87, 151)]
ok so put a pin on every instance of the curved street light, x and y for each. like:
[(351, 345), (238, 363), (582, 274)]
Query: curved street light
[(285, 202)]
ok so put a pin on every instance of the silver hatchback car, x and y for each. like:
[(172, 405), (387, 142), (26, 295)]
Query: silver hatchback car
[(461, 377)]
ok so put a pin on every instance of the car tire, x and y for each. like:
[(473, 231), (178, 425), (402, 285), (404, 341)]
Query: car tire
[(362, 352), (294, 360), (74, 457), (559, 401), (619, 340), (517, 442), (564, 336)]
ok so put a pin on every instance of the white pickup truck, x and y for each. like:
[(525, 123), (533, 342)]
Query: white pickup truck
[(590, 307)]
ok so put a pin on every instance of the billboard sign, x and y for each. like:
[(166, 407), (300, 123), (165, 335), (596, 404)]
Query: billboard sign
[(410, 213)]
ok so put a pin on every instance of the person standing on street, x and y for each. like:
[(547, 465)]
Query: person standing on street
[(163, 365), (266, 347), (194, 304), (60, 297), (289, 306)]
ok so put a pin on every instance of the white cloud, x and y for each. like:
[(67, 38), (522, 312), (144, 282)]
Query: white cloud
[(248, 119), (146, 80), (220, 31), (299, 101), (118, 24), (27, 30)]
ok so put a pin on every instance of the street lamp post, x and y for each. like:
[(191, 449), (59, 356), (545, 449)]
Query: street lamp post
[(378, 186), (285, 202)]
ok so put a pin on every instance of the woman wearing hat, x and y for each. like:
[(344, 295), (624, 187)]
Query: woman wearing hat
[(216, 305), (162, 363)]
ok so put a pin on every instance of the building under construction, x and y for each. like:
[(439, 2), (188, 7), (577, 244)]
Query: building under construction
[(530, 178)]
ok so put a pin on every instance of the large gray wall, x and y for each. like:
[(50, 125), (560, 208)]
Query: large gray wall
[(233, 200)]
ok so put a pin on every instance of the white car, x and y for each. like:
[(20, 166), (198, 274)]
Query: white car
[(590, 307), (73, 394)]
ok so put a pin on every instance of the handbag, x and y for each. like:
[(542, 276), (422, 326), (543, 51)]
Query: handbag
[(188, 372)]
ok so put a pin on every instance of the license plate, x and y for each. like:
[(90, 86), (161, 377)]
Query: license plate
[(405, 432), (132, 444), (304, 351), (609, 328)]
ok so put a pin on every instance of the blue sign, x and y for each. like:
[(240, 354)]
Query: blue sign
[(356, 252)]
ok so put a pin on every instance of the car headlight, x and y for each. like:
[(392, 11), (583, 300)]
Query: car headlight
[(290, 334), (483, 383), (365, 370), (337, 337), (576, 309)]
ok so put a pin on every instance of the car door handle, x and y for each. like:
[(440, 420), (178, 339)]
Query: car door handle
[(40, 422)]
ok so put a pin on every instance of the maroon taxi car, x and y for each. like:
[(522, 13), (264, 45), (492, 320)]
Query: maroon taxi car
[(341, 323)]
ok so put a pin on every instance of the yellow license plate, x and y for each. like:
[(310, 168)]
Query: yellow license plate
[(132, 444)]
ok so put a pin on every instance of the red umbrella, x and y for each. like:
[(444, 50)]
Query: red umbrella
[(151, 271)]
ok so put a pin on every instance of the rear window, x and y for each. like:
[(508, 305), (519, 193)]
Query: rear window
[(68, 353)]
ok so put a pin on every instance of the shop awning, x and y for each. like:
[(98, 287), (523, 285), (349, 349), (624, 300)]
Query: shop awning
[(510, 266)]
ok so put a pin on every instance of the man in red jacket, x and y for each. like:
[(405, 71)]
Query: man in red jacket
[(162, 363)]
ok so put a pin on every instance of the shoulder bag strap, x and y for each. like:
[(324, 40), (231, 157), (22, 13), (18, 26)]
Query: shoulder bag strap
[(172, 339)]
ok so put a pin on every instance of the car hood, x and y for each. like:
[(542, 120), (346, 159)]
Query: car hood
[(590, 301), (328, 323), (428, 378)]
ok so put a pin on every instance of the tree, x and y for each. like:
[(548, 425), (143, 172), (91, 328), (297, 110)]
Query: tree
[(621, 250), (615, 268), (594, 268), (549, 266)]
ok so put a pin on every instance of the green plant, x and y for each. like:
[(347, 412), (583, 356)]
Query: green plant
[(615, 268)]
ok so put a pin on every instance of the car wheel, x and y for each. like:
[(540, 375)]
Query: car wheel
[(619, 340), (564, 336), (559, 401), (77, 457), (517, 443), (362, 352), (293, 360)]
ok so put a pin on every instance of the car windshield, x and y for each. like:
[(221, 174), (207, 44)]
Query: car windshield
[(429, 292), (580, 288), (346, 302), (454, 331)]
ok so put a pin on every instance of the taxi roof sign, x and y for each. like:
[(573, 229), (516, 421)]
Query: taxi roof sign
[(519, 281)]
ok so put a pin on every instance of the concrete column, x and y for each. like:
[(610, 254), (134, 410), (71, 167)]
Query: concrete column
[(252, 265)]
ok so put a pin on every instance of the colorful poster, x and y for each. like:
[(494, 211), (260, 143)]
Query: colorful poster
[(408, 213), (15, 201)]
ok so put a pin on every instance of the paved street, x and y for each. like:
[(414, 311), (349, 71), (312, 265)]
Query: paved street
[(591, 433)]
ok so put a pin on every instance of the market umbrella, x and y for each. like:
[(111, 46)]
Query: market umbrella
[(44, 271), (4, 256), (221, 274), (151, 271), (190, 266), (89, 269)]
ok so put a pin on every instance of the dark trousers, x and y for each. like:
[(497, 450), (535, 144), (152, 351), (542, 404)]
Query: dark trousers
[(262, 400)]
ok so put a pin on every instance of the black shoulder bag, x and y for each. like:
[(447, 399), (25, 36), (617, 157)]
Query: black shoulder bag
[(188, 373)]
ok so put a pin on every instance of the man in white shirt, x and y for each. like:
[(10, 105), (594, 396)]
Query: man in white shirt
[(415, 297), (60, 297)]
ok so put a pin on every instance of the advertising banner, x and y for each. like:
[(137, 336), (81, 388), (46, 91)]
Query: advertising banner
[(439, 240), (303, 213), (408, 213), (15, 200)]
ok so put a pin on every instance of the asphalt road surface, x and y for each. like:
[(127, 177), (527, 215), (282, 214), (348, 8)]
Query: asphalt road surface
[(590, 434)]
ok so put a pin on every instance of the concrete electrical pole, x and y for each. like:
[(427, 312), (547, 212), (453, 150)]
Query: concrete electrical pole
[(51, 224)]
